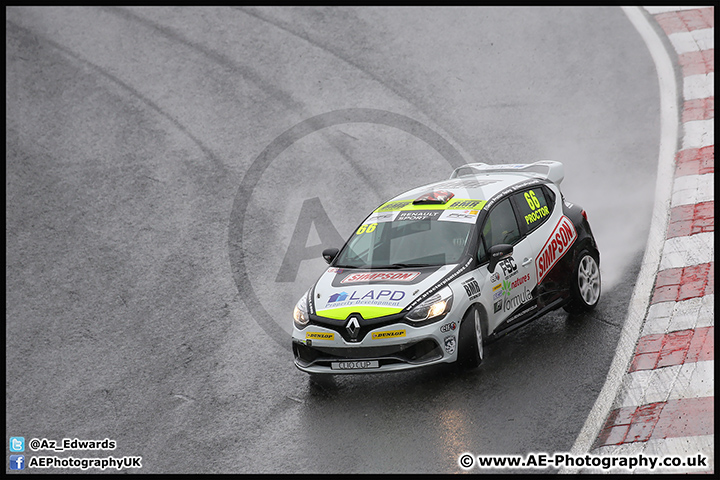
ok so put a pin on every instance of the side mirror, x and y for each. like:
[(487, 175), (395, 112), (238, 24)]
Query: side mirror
[(497, 253), (329, 254)]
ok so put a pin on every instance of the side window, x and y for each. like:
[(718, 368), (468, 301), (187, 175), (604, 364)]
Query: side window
[(500, 227), (534, 207)]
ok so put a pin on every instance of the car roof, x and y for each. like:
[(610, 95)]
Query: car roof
[(481, 181)]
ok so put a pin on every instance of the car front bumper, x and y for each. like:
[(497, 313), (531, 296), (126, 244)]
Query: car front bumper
[(416, 347)]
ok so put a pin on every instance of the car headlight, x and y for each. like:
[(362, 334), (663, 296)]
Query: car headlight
[(435, 306), (300, 312)]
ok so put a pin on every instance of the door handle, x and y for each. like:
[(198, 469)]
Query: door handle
[(526, 262)]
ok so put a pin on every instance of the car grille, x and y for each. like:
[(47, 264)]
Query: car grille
[(366, 324)]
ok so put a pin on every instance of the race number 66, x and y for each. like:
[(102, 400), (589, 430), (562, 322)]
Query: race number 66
[(368, 228), (532, 200)]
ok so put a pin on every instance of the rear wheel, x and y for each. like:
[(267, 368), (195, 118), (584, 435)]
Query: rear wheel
[(585, 284), (471, 340)]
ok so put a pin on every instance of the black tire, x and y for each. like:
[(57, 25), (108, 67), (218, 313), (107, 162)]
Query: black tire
[(471, 340), (584, 284)]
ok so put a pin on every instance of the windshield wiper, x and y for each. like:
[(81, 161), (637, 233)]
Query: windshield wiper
[(404, 265), (387, 267)]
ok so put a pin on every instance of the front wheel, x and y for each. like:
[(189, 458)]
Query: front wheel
[(471, 340), (585, 284)]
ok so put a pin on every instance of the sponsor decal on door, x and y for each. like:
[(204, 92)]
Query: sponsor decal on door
[(557, 245)]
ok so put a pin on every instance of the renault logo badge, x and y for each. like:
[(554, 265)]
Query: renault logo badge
[(353, 327)]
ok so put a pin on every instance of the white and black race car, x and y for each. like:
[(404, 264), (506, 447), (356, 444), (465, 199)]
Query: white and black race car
[(435, 273)]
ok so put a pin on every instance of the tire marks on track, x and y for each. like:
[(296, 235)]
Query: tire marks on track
[(249, 74), (392, 86), (131, 90)]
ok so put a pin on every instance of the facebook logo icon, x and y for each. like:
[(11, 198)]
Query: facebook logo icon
[(17, 462), (17, 444)]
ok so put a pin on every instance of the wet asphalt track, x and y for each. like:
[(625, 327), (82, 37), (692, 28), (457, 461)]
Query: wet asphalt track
[(160, 183)]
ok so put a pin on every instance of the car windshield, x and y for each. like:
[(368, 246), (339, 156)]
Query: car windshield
[(406, 243)]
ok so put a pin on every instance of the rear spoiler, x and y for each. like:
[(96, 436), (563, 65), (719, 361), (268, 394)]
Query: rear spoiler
[(545, 169)]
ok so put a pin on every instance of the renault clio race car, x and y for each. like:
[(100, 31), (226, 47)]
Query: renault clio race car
[(435, 273)]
